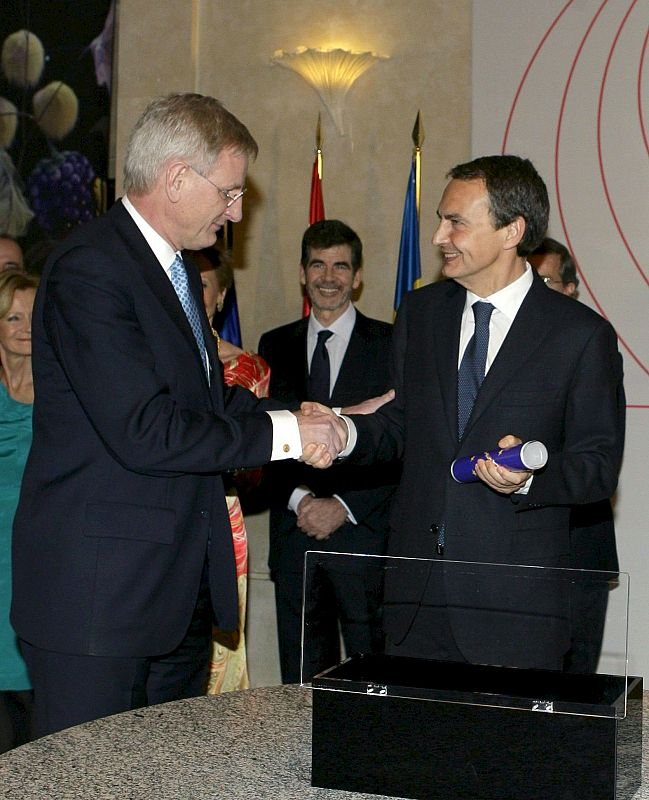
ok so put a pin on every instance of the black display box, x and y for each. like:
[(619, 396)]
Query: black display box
[(434, 730)]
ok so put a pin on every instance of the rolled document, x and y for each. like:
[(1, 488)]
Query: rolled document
[(528, 456)]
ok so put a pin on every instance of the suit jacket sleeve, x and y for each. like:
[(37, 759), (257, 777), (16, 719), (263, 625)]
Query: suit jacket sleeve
[(585, 467)]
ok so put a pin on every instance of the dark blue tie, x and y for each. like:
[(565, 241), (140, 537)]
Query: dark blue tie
[(178, 275), (320, 373), (472, 368)]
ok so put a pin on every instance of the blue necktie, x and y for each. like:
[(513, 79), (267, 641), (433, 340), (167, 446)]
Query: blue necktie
[(469, 378), (472, 368), (179, 281), (320, 372)]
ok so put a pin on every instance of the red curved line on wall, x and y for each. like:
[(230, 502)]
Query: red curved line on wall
[(640, 108), (600, 157), (564, 227), (527, 71), (557, 144)]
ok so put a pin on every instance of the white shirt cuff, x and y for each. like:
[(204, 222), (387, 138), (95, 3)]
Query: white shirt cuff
[(526, 486), (287, 442), (350, 516), (352, 435), (297, 495)]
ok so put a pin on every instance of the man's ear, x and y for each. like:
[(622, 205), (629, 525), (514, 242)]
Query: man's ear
[(302, 275), (514, 233), (174, 179)]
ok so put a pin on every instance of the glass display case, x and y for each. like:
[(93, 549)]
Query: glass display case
[(474, 681)]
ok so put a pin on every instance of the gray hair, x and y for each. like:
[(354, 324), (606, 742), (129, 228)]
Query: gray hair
[(187, 126)]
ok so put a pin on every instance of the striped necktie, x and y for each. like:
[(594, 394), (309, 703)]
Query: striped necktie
[(178, 275)]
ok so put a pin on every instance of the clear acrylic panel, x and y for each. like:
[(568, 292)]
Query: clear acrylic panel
[(537, 638)]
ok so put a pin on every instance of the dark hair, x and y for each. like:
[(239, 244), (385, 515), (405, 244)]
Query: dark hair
[(515, 189), (567, 266), (219, 260), (331, 233)]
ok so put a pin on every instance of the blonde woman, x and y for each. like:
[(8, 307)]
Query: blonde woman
[(17, 292)]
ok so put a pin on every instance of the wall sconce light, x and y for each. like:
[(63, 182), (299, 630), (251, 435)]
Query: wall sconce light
[(331, 73)]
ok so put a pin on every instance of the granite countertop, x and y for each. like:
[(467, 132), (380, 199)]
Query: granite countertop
[(241, 746)]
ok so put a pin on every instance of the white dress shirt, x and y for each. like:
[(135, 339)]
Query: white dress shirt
[(506, 303), (336, 345), (286, 432)]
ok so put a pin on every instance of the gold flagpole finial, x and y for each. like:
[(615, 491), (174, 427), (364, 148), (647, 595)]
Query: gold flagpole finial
[(418, 137), (418, 134)]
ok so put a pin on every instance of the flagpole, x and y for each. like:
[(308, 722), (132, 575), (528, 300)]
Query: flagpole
[(409, 263), (316, 203), (318, 145), (418, 139)]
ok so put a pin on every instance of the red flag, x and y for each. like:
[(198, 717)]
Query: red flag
[(316, 210), (316, 206)]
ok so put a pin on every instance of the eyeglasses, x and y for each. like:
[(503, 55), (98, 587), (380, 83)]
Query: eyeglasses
[(230, 199), (548, 281)]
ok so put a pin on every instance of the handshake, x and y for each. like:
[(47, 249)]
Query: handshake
[(324, 434)]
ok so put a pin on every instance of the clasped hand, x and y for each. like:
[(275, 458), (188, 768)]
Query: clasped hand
[(319, 517), (323, 434)]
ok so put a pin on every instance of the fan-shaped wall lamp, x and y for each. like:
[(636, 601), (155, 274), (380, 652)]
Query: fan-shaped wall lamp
[(331, 73)]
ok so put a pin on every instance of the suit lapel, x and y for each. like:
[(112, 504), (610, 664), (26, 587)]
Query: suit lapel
[(158, 282), (445, 334), (196, 288), (527, 333), (347, 380), (297, 356)]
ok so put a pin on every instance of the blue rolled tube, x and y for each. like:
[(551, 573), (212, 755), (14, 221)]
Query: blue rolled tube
[(527, 456)]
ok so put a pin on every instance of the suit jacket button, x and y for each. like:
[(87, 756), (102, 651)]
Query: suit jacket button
[(434, 528), (204, 514)]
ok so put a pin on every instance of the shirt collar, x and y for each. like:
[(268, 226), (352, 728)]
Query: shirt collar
[(162, 250), (342, 327), (509, 299)]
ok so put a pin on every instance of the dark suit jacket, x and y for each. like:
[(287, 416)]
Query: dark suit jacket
[(122, 496), (557, 378), (367, 491)]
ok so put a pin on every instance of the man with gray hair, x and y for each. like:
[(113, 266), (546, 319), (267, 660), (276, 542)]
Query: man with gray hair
[(123, 552)]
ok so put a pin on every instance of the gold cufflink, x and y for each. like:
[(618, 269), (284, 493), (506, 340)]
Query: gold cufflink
[(286, 448)]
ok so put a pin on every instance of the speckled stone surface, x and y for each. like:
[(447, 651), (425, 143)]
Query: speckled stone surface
[(240, 746)]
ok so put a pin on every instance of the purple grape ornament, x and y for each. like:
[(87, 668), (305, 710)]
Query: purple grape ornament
[(59, 191)]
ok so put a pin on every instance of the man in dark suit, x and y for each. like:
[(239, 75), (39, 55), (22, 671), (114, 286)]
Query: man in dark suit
[(122, 546), (345, 508), (551, 372), (592, 530)]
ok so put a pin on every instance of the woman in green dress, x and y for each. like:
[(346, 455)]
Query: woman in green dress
[(17, 292)]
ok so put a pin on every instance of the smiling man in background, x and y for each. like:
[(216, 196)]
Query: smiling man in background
[(338, 357)]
